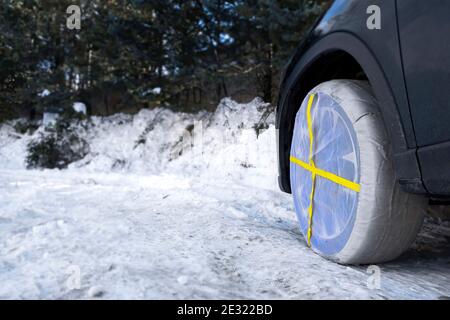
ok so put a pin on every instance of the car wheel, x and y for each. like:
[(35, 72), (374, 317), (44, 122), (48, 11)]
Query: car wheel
[(350, 207)]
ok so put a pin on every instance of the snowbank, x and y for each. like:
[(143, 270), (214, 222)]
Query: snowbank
[(225, 143), (169, 205)]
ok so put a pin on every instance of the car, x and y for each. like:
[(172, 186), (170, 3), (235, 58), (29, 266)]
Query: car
[(363, 126)]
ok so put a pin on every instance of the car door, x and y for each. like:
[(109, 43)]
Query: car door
[(424, 28)]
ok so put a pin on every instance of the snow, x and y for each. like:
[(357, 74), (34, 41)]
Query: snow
[(44, 93), (80, 107), (155, 91), (49, 118), (135, 219)]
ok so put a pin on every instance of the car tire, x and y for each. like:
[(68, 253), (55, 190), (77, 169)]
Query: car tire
[(377, 222)]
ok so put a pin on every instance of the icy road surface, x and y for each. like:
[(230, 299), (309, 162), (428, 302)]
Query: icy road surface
[(137, 236)]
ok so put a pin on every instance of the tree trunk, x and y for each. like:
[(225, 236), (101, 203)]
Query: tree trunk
[(268, 75)]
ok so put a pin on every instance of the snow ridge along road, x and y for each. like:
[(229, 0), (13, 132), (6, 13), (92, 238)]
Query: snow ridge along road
[(144, 221)]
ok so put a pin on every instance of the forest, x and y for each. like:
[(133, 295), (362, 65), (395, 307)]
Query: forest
[(127, 55)]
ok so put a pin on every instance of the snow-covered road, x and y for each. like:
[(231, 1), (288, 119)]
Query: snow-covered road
[(84, 235), (144, 215)]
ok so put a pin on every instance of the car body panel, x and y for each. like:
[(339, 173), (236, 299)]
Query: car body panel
[(350, 16), (435, 166), (424, 32), (424, 27), (343, 27)]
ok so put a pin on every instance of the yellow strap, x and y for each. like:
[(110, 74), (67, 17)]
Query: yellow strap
[(311, 163), (328, 175), (310, 209), (318, 172), (310, 128)]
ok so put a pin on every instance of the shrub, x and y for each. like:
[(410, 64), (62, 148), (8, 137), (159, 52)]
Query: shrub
[(23, 126), (57, 146), (6, 113)]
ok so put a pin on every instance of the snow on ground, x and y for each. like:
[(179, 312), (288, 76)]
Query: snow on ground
[(146, 215)]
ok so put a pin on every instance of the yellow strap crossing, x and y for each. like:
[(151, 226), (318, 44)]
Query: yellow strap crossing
[(311, 163), (318, 172), (328, 175)]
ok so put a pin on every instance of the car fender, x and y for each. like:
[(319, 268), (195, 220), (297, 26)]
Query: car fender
[(405, 158)]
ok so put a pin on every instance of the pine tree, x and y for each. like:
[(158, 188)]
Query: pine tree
[(196, 51)]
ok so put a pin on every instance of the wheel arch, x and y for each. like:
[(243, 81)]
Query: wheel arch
[(341, 55)]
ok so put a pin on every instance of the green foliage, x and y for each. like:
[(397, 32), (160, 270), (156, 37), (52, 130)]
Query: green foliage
[(26, 127), (7, 112), (196, 51), (58, 145)]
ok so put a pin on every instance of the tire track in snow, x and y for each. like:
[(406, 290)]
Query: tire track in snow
[(135, 238)]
